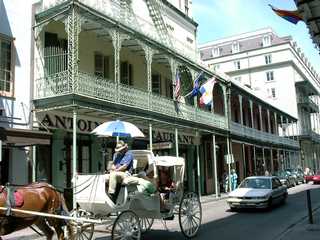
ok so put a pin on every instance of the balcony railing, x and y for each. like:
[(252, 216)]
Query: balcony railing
[(314, 136), (113, 10), (107, 90), (252, 133), (308, 102)]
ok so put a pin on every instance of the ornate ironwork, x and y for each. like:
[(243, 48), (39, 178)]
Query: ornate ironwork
[(53, 85), (253, 133), (104, 89), (73, 31)]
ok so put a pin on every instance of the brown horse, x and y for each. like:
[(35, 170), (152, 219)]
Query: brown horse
[(38, 197)]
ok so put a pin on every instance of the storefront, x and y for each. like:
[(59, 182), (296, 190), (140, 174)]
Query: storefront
[(16, 159), (95, 153)]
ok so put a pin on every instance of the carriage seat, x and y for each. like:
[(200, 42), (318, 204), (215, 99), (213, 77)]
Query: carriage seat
[(140, 165)]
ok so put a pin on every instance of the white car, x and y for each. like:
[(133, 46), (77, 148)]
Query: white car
[(258, 192)]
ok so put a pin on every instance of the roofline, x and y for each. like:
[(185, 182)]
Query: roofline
[(186, 17), (238, 36)]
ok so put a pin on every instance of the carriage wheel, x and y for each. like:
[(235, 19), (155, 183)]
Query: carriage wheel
[(190, 214), (79, 230), (126, 226), (145, 224)]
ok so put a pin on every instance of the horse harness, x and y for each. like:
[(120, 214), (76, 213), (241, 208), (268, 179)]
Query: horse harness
[(12, 197)]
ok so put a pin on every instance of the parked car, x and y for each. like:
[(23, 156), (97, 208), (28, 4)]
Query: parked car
[(314, 177), (286, 178), (258, 192), (297, 176), (300, 175), (308, 177)]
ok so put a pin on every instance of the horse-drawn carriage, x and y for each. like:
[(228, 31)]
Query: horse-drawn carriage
[(134, 211), (132, 214)]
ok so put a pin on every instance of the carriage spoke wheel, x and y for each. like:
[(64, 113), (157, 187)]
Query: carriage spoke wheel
[(81, 230), (145, 224), (190, 214), (126, 227)]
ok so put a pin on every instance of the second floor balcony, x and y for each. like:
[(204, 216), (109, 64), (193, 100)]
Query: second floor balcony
[(307, 103), (96, 88), (308, 134), (254, 134)]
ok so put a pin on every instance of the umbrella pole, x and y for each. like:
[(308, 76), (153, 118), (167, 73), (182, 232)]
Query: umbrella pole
[(150, 136)]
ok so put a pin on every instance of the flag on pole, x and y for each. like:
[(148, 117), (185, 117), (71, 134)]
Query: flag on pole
[(196, 85), (177, 89), (206, 91), (291, 16)]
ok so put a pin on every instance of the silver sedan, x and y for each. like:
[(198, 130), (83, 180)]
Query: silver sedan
[(258, 192)]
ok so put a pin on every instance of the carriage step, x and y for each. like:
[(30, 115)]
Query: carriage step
[(169, 218)]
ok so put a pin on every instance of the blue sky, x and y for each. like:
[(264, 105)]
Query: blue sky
[(223, 18)]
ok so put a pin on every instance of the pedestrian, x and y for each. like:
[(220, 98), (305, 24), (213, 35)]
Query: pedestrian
[(225, 182), (266, 173), (234, 179)]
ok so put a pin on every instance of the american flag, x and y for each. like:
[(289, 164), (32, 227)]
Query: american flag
[(177, 89)]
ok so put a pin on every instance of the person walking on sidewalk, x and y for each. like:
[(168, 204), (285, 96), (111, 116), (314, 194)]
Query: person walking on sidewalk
[(234, 179)]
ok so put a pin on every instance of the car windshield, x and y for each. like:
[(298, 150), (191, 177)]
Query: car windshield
[(257, 183), (281, 174)]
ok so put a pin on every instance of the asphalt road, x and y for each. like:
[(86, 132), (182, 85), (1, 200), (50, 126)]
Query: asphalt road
[(219, 223)]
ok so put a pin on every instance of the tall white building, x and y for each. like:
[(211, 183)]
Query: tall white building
[(276, 68), (16, 92)]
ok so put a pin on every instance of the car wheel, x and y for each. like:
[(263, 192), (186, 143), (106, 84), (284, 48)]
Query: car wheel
[(233, 209)]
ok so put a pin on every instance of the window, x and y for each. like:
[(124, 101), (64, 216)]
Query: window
[(266, 40), (270, 76), (235, 47), (186, 6), (236, 64), (126, 73), (273, 92), (101, 65), (216, 52), (55, 53), (156, 83), (189, 40), (6, 68), (267, 59)]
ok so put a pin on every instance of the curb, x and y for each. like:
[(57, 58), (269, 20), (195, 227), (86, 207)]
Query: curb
[(297, 223), (213, 199)]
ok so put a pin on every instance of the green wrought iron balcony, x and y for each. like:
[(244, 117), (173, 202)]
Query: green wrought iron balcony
[(95, 87), (254, 134), (309, 104), (309, 135)]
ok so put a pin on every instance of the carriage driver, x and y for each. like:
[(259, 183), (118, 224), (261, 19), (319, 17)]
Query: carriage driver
[(121, 167)]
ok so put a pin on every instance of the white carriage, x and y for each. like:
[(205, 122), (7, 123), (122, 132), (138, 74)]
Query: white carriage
[(135, 210)]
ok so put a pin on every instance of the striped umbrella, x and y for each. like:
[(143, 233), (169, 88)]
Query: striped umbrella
[(117, 129)]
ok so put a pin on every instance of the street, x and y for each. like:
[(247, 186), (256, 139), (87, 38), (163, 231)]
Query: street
[(219, 222)]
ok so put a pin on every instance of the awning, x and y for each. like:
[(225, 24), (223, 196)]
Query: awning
[(24, 137)]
